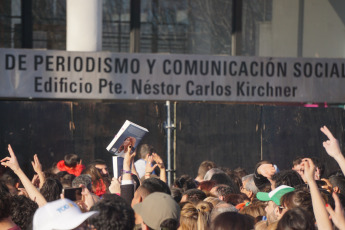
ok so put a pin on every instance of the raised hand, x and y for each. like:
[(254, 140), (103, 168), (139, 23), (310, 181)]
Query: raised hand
[(158, 160), (11, 161), (337, 214), (149, 168), (267, 170), (331, 145), (309, 169), (36, 164)]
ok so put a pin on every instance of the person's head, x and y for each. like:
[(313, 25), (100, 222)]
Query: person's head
[(71, 160), (4, 189), (220, 208), (101, 166), (156, 209), (241, 172), (5, 205), (236, 199), (232, 220), (204, 214), (114, 213), (189, 216), (65, 178), (96, 178), (248, 186), (176, 193), (222, 178), (299, 198), (255, 209), (149, 186), (287, 177), (11, 180), (274, 210), (144, 151), (59, 214), (22, 211), (296, 219), (204, 167), (83, 179), (221, 190), (206, 185), (185, 182), (296, 163), (212, 171), (235, 179), (338, 184), (298, 166), (213, 200), (51, 189), (193, 195)]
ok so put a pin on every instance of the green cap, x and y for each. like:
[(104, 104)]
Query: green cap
[(275, 194)]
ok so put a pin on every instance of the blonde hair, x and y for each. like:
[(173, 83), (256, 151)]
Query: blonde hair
[(188, 217), (254, 210), (204, 209), (213, 200)]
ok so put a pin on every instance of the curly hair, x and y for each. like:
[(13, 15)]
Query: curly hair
[(51, 189), (5, 204), (194, 195), (22, 211), (114, 213), (185, 182)]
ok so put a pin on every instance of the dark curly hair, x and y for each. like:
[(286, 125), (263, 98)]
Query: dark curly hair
[(287, 177), (51, 189), (22, 211), (114, 213), (185, 182), (5, 204)]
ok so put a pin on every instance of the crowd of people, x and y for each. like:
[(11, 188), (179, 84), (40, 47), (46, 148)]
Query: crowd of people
[(73, 196)]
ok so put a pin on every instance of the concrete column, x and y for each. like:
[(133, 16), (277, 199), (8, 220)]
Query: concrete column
[(84, 25)]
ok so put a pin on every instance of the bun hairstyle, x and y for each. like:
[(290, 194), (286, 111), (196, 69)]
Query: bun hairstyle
[(189, 216), (204, 213)]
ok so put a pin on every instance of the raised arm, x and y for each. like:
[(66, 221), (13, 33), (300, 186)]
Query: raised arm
[(159, 161), (127, 186), (337, 214), (38, 169), (319, 208), (333, 149), (13, 164)]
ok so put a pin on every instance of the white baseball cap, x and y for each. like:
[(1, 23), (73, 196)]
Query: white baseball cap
[(61, 214)]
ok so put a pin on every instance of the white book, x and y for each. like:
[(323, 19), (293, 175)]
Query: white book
[(117, 166), (129, 134)]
